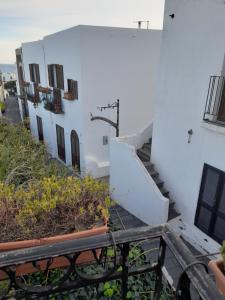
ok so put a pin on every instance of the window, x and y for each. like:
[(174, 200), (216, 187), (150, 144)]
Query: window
[(61, 142), (210, 214), (34, 73), (40, 129), (73, 88), (55, 76)]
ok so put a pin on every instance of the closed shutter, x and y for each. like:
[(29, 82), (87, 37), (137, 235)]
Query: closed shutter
[(31, 72), (59, 77), (75, 89), (61, 142), (37, 72), (50, 76)]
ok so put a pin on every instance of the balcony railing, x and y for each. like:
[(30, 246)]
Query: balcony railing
[(53, 101), (116, 271), (215, 104), (32, 93)]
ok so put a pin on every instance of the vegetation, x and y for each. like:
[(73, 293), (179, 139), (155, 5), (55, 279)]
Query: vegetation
[(51, 206), (22, 159), (222, 251), (2, 106)]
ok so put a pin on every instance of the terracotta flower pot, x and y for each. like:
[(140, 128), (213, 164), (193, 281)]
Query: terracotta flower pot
[(58, 262), (217, 267)]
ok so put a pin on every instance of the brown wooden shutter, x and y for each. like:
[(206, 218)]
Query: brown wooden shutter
[(37, 73), (75, 89), (59, 77), (31, 72), (50, 76)]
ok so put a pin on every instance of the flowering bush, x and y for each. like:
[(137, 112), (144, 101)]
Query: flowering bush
[(52, 206)]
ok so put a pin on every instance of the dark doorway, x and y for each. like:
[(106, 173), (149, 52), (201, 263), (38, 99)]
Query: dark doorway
[(75, 149), (210, 215), (61, 142), (40, 129)]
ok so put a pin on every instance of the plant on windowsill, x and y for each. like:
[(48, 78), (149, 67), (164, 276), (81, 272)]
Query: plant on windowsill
[(69, 96), (218, 268), (52, 210)]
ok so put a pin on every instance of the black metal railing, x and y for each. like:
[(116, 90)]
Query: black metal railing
[(215, 104), (32, 93), (53, 101), (115, 271)]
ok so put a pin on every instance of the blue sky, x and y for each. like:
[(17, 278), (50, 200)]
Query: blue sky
[(27, 20)]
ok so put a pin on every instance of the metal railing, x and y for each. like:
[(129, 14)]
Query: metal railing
[(32, 93), (215, 100), (53, 101), (115, 263)]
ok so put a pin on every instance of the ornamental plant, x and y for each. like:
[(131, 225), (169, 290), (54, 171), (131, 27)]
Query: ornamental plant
[(52, 206), (2, 107)]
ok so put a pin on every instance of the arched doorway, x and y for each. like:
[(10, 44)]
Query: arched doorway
[(75, 149)]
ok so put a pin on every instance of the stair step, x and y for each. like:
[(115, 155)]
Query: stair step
[(171, 203), (152, 172), (145, 151), (147, 146), (159, 182), (143, 155), (165, 192), (172, 214)]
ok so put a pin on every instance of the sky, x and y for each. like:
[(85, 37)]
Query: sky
[(29, 20)]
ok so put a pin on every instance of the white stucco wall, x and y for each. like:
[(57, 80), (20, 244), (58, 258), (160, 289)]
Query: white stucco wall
[(117, 63), (108, 63), (193, 48)]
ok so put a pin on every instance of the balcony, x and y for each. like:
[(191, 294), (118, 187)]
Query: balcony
[(215, 104), (124, 269), (32, 93), (53, 101)]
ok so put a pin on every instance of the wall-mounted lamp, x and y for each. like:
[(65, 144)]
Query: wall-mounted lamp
[(172, 16), (190, 133)]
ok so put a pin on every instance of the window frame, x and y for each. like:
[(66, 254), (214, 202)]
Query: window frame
[(214, 209)]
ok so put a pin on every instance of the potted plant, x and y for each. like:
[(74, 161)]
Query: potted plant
[(218, 268), (2, 107), (52, 210)]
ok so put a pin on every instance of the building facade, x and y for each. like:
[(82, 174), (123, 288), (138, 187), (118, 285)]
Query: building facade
[(187, 143), (67, 76)]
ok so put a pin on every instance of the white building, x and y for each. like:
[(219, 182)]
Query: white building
[(7, 72), (188, 138), (91, 67)]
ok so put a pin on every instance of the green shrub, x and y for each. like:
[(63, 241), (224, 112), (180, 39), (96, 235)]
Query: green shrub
[(52, 206), (222, 251), (22, 159), (2, 106)]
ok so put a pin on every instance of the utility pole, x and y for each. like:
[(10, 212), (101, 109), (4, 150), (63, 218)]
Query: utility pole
[(110, 106)]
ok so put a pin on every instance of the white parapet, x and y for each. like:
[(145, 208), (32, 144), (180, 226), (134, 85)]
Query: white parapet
[(131, 184)]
